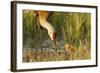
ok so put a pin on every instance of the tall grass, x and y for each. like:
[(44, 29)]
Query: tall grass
[(72, 27)]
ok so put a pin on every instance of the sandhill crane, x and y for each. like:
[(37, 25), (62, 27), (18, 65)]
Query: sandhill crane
[(42, 16)]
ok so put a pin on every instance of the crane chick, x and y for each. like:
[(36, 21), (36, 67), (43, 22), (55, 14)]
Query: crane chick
[(69, 48)]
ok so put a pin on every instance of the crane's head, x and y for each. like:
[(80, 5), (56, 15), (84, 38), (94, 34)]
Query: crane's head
[(54, 36)]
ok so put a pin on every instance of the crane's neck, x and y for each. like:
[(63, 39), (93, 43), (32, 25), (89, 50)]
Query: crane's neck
[(44, 23)]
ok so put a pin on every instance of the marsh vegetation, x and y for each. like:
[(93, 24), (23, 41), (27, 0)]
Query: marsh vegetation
[(73, 29)]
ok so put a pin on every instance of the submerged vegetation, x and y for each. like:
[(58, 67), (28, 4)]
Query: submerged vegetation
[(71, 27)]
